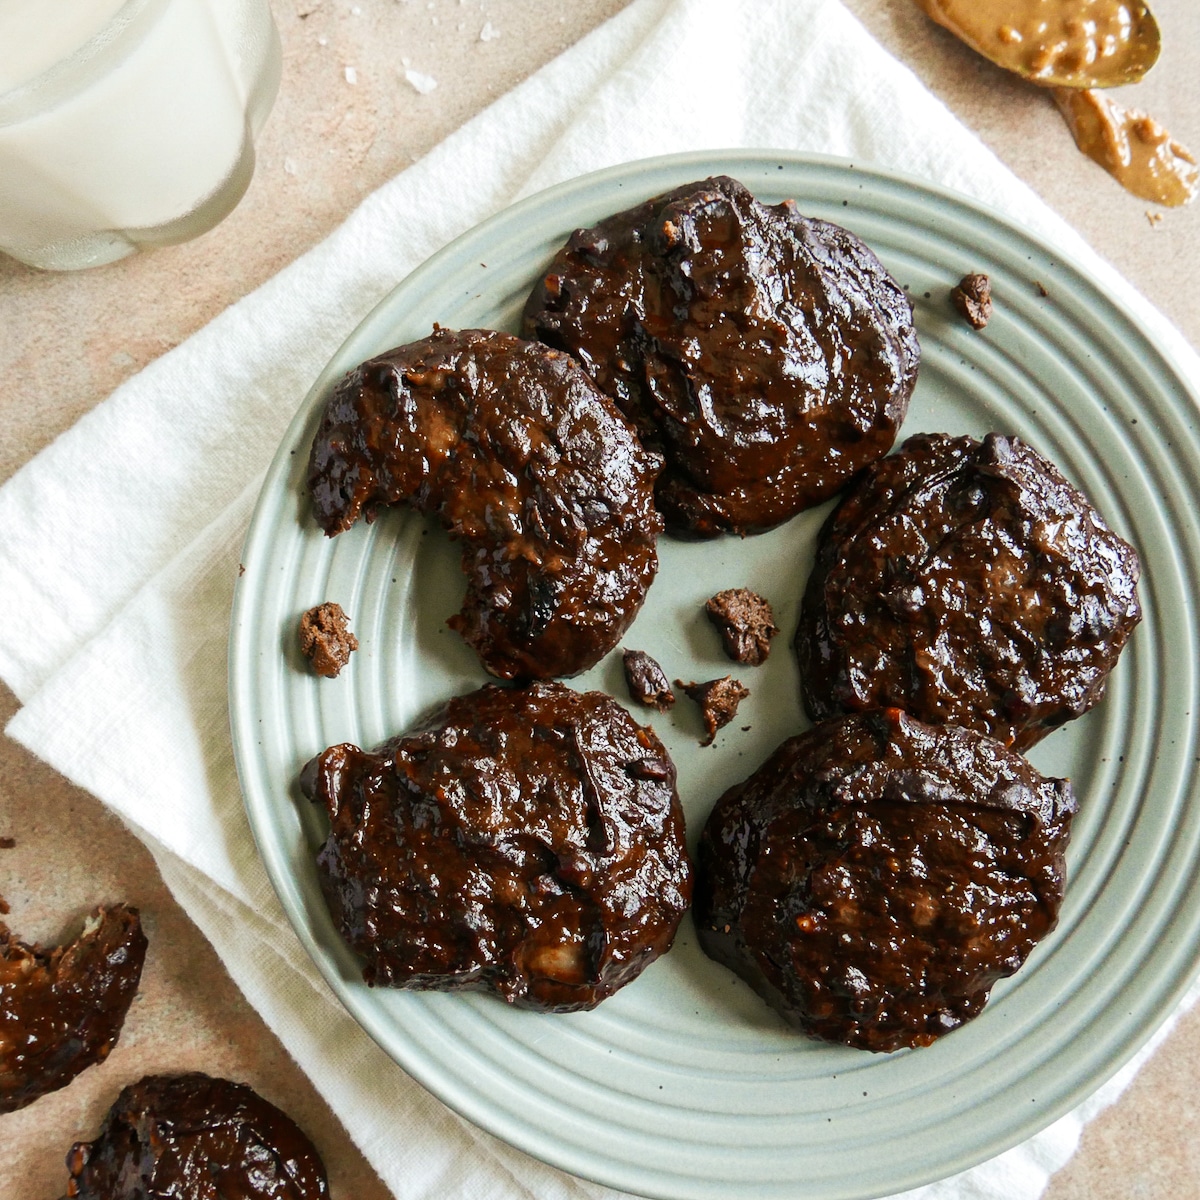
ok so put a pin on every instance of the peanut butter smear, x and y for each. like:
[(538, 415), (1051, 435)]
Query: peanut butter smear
[(1056, 43), (1131, 146)]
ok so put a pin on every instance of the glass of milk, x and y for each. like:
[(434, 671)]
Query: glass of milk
[(127, 123)]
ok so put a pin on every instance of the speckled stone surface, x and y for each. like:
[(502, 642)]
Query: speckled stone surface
[(67, 340)]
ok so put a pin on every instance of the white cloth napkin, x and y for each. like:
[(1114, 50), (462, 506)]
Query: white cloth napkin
[(120, 542)]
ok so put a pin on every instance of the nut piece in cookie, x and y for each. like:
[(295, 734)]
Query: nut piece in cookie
[(61, 1009), (972, 296), (527, 463), (745, 622), (768, 355), (326, 639), (967, 583), (196, 1138), (876, 876), (523, 841), (718, 700), (646, 680)]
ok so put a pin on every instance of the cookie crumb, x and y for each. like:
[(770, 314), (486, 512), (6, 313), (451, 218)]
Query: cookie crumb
[(646, 680), (325, 638), (973, 299), (745, 622), (1041, 287), (1155, 218), (718, 700)]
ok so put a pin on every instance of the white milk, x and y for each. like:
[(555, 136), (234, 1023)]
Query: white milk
[(145, 136), (35, 34)]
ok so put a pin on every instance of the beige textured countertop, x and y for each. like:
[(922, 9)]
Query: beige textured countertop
[(67, 340)]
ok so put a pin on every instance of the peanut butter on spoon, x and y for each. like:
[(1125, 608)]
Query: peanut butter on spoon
[(1056, 43), (1131, 146)]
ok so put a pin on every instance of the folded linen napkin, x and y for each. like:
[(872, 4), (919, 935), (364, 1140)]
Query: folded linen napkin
[(116, 652)]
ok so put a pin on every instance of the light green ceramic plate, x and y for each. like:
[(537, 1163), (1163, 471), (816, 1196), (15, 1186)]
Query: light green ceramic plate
[(684, 1084)]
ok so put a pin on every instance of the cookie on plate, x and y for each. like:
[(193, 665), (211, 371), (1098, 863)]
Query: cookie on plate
[(876, 876), (523, 841), (768, 355), (526, 463), (966, 582)]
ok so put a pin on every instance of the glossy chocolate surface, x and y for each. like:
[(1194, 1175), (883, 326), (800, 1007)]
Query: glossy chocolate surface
[(768, 355), (192, 1137), (526, 463), (876, 876), (525, 841), (61, 1009), (967, 583)]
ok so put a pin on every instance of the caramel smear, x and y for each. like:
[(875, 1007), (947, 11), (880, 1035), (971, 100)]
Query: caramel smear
[(1131, 146), (1056, 43)]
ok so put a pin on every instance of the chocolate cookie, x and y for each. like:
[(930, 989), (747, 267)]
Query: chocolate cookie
[(526, 462), (61, 1009), (192, 1137), (968, 583), (768, 355), (524, 841), (876, 876)]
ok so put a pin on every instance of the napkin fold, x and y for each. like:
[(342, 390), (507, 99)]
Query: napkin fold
[(121, 540)]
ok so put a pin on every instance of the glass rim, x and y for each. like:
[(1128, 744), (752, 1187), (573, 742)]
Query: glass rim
[(88, 62)]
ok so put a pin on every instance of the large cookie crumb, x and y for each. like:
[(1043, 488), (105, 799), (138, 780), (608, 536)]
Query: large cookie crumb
[(646, 680), (745, 622), (718, 700), (325, 638), (973, 299)]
